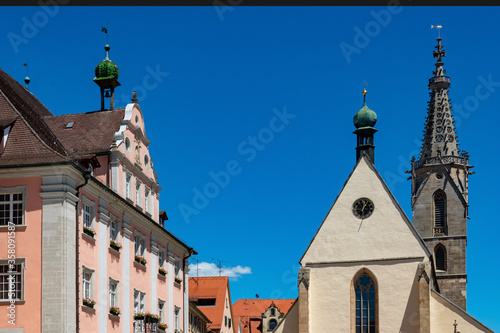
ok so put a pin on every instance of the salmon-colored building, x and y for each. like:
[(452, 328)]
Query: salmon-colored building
[(212, 296), (83, 246)]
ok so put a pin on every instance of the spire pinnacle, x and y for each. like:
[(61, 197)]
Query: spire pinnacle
[(27, 78)]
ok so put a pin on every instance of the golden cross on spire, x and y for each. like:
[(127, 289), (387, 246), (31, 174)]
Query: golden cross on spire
[(437, 27), (364, 91)]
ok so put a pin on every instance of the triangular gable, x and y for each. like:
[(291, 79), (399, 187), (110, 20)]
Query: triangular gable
[(444, 314), (386, 234)]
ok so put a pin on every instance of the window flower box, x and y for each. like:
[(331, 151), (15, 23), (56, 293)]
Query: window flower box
[(138, 315), (177, 280), (140, 260), (114, 310), (114, 245), (89, 231), (88, 302), (162, 271), (162, 327), (152, 316), (177, 330)]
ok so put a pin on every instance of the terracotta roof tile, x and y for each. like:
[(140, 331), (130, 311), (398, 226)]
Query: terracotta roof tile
[(210, 287), (250, 311)]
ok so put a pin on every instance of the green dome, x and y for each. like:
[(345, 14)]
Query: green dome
[(365, 117), (107, 69)]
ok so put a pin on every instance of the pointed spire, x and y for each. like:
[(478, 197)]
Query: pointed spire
[(439, 133), (364, 120)]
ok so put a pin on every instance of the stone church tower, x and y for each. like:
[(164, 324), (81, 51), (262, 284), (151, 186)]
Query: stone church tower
[(440, 189)]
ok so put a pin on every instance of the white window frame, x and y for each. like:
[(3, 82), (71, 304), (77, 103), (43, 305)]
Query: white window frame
[(161, 310), (90, 282), (147, 199), (139, 301), (138, 196), (91, 212), (4, 279), (177, 312), (177, 266), (128, 185), (114, 293), (161, 257), (11, 191), (140, 244), (116, 222)]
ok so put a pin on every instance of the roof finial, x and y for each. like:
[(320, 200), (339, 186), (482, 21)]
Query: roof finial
[(27, 78), (364, 91), (105, 30), (134, 97), (439, 29)]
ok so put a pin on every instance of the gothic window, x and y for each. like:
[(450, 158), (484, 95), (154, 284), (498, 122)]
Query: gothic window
[(272, 324), (364, 289), (440, 256), (440, 212), (273, 312)]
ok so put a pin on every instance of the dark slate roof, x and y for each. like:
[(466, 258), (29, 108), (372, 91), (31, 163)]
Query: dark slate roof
[(91, 133), (39, 137), (30, 140)]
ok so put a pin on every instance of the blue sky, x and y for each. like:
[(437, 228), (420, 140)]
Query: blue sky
[(210, 81)]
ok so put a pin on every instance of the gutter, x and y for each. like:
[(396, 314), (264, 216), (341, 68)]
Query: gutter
[(86, 176)]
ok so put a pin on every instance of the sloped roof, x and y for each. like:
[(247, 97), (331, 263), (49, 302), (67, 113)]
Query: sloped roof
[(211, 287), (250, 311), (91, 133)]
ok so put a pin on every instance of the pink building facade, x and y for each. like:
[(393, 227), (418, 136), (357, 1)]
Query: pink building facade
[(83, 246)]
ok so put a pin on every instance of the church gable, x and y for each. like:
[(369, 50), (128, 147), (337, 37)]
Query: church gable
[(382, 233)]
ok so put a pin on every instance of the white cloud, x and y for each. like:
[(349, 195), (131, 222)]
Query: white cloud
[(211, 269)]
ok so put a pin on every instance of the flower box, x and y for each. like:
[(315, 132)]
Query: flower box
[(177, 330), (88, 302), (114, 310), (152, 316), (138, 315), (162, 327), (162, 271), (140, 260), (114, 245), (177, 280), (89, 231)]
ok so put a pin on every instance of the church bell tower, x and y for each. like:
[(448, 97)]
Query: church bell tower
[(440, 189)]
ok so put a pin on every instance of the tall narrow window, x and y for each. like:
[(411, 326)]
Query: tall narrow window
[(176, 318), (87, 283), (128, 178), (440, 255), (87, 218), (440, 212), (365, 304), (272, 324), (113, 293), (113, 230)]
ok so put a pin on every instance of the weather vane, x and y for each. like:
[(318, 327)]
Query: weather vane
[(364, 90), (27, 78), (439, 29), (105, 30)]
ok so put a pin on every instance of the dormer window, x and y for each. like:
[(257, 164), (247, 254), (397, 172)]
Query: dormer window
[(5, 136)]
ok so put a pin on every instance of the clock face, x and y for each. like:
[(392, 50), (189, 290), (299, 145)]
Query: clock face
[(362, 208)]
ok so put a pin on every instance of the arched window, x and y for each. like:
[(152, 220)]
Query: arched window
[(440, 256), (440, 226), (273, 312), (364, 288), (272, 324)]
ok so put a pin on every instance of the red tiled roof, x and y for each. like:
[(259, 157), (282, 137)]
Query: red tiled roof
[(211, 287), (250, 311)]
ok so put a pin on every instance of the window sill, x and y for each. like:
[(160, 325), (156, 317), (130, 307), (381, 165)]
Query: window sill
[(20, 227), (113, 317), (114, 252), (161, 276), (139, 265), (177, 284), (88, 237), (3, 302), (88, 309)]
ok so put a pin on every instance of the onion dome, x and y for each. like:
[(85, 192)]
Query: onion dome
[(106, 69), (365, 117)]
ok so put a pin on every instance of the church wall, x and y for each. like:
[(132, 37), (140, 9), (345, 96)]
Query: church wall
[(444, 314), (290, 324), (331, 306)]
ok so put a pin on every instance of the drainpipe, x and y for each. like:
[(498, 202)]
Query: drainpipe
[(190, 253), (86, 176)]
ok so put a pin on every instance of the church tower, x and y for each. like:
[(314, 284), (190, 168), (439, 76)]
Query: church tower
[(440, 189)]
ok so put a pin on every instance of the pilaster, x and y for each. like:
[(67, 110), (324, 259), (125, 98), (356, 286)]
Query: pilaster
[(102, 287), (127, 235), (154, 273), (303, 284)]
